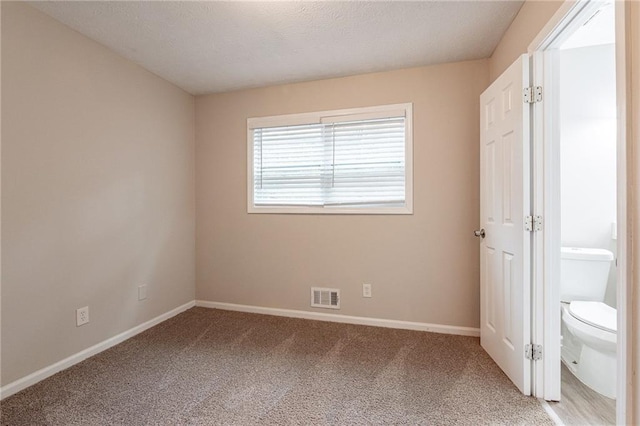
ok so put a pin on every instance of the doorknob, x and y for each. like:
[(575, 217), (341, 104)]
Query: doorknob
[(479, 233)]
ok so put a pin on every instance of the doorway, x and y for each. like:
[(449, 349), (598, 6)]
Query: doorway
[(579, 177), (585, 135)]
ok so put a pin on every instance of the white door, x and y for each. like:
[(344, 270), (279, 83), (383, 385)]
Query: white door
[(504, 202)]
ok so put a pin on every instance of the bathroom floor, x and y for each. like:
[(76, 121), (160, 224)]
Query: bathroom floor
[(582, 406)]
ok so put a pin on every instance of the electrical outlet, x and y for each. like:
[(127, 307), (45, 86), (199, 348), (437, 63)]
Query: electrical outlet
[(82, 316), (366, 290), (142, 292)]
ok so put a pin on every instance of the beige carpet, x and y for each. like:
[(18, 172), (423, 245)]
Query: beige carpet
[(207, 367)]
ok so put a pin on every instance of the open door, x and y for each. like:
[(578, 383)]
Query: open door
[(505, 265)]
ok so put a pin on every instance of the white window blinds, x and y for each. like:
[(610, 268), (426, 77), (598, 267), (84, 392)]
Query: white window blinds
[(355, 161)]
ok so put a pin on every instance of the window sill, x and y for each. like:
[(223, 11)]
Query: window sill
[(407, 210)]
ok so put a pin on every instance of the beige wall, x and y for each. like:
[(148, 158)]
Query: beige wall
[(423, 267), (533, 15), (97, 192)]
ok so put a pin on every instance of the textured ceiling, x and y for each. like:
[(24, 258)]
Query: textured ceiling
[(207, 47)]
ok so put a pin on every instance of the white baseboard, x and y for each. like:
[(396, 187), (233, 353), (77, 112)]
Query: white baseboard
[(49, 371), (554, 416), (321, 316), (43, 373)]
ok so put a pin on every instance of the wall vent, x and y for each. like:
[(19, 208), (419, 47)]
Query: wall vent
[(325, 298)]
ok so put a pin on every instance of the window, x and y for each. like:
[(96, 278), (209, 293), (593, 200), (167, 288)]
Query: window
[(346, 161)]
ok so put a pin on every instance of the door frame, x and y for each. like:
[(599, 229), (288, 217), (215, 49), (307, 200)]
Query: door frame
[(545, 310)]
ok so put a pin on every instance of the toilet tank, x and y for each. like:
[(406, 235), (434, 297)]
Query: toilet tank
[(584, 273)]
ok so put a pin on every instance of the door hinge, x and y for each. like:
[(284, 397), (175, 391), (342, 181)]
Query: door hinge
[(533, 223), (532, 94), (533, 352)]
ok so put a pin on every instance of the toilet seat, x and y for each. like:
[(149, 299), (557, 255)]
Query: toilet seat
[(596, 314), (596, 363)]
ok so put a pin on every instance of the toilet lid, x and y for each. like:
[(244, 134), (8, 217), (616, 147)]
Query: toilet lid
[(596, 314)]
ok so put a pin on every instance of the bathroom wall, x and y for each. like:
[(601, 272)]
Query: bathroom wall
[(588, 150)]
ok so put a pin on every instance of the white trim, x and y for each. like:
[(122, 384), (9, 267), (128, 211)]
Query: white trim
[(396, 110), (316, 117), (345, 319), (367, 115), (558, 23), (49, 371), (537, 250), (33, 378), (624, 302), (546, 199), (333, 209), (551, 413)]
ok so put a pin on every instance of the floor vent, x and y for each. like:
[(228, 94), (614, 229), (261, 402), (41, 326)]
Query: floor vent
[(325, 298)]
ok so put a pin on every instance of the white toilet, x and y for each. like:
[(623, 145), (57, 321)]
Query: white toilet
[(588, 324)]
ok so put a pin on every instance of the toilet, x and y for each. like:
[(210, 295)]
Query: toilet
[(588, 324)]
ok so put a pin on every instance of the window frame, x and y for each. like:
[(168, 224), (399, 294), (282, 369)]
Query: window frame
[(318, 117)]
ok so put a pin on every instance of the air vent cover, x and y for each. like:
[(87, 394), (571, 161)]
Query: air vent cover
[(325, 298)]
